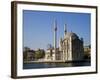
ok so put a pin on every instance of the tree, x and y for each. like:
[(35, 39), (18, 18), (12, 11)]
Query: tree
[(26, 49), (24, 55), (40, 53)]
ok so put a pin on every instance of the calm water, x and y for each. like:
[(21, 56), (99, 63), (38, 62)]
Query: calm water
[(54, 65)]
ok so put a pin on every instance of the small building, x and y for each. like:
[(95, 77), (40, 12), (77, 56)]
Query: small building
[(50, 54), (29, 55), (87, 52)]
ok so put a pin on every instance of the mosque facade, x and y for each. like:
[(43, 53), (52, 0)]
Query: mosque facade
[(70, 47)]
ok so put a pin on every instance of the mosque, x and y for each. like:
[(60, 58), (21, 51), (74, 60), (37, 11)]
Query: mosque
[(70, 47)]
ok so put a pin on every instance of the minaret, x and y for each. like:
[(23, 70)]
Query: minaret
[(55, 38), (65, 30)]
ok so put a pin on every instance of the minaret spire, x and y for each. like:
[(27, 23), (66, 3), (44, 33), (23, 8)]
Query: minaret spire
[(55, 25), (55, 38), (65, 29)]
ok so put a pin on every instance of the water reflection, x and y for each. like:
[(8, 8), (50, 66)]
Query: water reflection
[(54, 65)]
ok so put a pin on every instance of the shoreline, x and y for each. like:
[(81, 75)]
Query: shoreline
[(56, 61)]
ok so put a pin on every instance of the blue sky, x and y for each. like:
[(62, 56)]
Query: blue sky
[(38, 27)]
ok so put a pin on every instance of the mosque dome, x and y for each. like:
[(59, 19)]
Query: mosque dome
[(71, 34)]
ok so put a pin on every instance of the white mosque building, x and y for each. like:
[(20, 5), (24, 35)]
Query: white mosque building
[(70, 47)]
